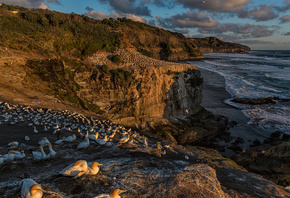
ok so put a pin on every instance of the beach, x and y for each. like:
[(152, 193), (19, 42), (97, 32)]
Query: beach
[(214, 94)]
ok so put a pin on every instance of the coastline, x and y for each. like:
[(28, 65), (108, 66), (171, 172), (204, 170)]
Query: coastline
[(213, 94)]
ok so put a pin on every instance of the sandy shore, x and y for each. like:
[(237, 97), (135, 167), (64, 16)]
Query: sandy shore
[(214, 93)]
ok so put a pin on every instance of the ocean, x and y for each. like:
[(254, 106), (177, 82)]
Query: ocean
[(256, 74)]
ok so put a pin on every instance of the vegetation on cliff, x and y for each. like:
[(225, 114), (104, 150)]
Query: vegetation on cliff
[(57, 34)]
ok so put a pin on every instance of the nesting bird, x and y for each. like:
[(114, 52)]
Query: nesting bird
[(9, 156), (43, 142), (94, 169), (13, 145), (51, 153), (84, 144), (113, 194), (70, 138), (31, 189), (19, 154), (75, 170), (39, 155)]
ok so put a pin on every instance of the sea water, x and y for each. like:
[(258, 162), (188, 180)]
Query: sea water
[(256, 74)]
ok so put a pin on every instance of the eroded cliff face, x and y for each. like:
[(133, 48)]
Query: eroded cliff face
[(141, 91)]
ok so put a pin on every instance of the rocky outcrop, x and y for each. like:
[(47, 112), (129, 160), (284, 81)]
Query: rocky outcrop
[(215, 45), (272, 162)]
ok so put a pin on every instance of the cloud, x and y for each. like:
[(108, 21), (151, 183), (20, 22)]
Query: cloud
[(128, 7), (30, 3), (89, 9), (216, 5), (262, 13), (285, 19), (287, 34), (243, 30), (189, 19), (100, 16)]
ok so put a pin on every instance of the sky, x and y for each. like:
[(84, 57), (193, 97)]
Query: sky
[(259, 24)]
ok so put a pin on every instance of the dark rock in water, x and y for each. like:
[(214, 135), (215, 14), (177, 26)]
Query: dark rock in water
[(256, 143), (272, 163), (235, 148), (259, 101), (239, 140)]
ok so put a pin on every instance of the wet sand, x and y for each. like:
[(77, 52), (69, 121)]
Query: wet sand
[(214, 93)]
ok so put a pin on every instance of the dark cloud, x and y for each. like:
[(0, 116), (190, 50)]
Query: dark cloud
[(285, 19), (189, 19), (128, 7), (30, 3), (89, 9), (262, 13), (215, 5), (243, 30)]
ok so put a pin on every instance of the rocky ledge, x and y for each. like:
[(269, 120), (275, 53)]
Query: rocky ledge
[(156, 169)]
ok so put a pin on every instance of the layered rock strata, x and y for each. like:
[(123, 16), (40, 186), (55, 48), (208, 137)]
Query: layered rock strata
[(141, 91)]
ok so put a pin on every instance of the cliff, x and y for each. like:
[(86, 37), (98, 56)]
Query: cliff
[(215, 45)]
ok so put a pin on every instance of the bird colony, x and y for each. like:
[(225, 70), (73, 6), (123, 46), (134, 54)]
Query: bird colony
[(85, 132)]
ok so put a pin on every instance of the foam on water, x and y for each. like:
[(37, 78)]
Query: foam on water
[(257, 74)]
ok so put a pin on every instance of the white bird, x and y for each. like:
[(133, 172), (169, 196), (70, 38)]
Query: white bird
[(27, 138), (9, 156), (75, 170), (44, 142), (35, 130), (94, 169), (19, 154), (70, 138), (84, 144), (57, 142), (39, 155), (113, 194), (30, 189), (94, 136), (124, 139), (52, 153), (102, 141), (13, 145)]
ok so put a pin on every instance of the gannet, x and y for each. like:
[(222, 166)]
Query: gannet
[(19, 155), (113, 194), (102, 141), (12, 145), (56, 131), (43, 142), (84, 144), (70, 138), (52, 153), (27, 138), (124, 139), (94, 169), (57, 142), (39, 155), (30, 189), (9, 156), (94, 136), (75, 170), (35, 130)]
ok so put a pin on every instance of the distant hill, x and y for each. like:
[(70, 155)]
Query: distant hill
[(213, 44), (56, 34)]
